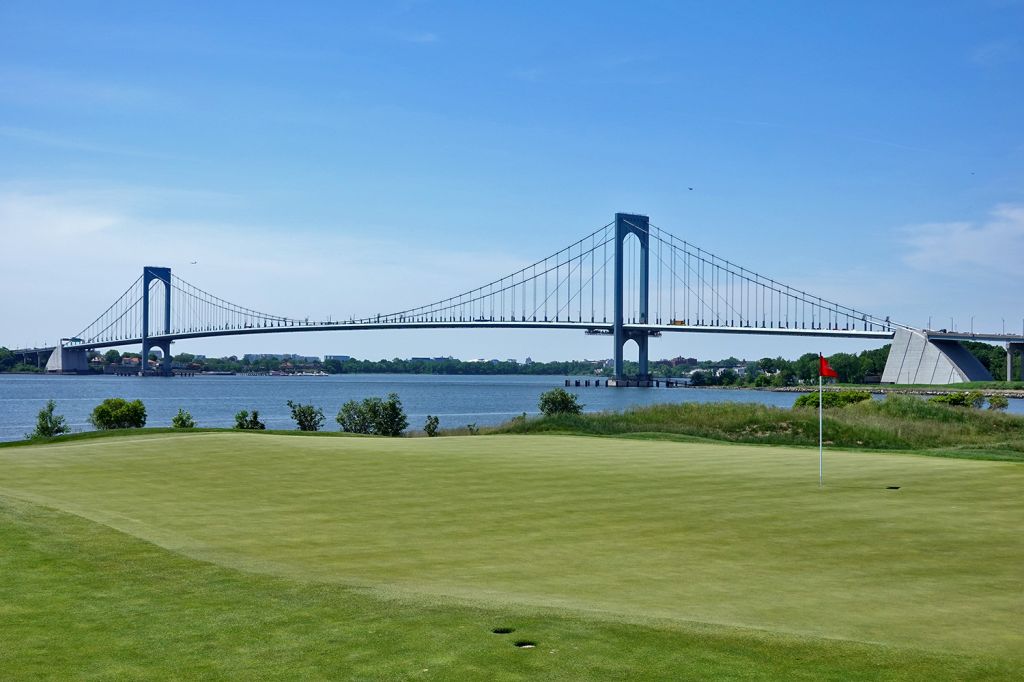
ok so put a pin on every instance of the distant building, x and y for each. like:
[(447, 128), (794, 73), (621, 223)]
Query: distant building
[(255, 357), (339, 358)]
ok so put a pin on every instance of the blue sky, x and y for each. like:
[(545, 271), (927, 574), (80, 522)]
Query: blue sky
[(341, 159)]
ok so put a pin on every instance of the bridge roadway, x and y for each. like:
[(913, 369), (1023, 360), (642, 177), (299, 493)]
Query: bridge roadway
[(592, 327)]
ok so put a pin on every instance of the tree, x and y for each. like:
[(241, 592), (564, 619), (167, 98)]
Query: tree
[(307, 417), (118, 413), (374, 416), (391, 419), (431, 426), (998, 402), (354, 417), (183, 420), (806, 368), (6, 359), (112, 357), (847, 366), (559, 401), (784, 377), (49, 424), (247, 422)]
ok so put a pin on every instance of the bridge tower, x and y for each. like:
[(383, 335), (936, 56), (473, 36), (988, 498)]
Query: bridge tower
[(625, 225), (149, 275)]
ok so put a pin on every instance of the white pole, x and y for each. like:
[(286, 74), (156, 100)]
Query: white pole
[(820, 437)]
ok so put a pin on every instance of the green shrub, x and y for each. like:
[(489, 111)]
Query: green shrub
[(998, 402), (118, 413), (975, 399), (431, 426), (183, 420), (247, 422), (559, 401), (375, 416), (355, 417), (49, 424), (307, 417), (832, 399)]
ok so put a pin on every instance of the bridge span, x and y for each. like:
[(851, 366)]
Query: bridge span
[(629, 280)]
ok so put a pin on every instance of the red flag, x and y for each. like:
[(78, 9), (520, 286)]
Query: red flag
[(824, 369)]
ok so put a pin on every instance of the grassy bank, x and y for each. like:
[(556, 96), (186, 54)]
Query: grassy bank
[(897, 423), (235, 555), (1012, 387)]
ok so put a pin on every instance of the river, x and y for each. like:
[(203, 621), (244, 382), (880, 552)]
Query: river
[(214, 400)]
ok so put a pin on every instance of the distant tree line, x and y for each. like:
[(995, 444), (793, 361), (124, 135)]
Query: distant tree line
[(852, 368)]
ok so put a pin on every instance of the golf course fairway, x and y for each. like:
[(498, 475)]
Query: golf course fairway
[(237, 555)]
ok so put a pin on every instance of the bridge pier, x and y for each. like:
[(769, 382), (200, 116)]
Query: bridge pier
[(639, 225), (149, 275), (1012, 348)]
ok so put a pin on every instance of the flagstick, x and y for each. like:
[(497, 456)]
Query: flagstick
[(820, 438)]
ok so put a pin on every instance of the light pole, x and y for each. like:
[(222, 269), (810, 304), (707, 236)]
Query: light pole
[(1004, 325), (972, 325)]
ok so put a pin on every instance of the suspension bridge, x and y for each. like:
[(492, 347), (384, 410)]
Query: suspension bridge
[(629, 280)]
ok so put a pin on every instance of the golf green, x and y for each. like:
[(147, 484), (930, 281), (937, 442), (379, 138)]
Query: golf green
[(627, 536)]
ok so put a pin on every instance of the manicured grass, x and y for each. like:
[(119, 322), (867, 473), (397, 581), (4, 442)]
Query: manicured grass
[(896, 423), (285, 557)]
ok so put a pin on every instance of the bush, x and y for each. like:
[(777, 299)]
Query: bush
[(998, 402), (118, 413), (49, 424), (559, 401), (975, 399), (355, 417), (307, 417), (431, 426), (831, 399), (247, 422), (183, 420), (375, 416)]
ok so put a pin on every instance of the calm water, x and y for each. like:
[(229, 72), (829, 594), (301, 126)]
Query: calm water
[(214, 400)]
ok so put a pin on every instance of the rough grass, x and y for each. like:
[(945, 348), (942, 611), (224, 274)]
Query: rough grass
[(896, 423), (966, 385), (247, 556)]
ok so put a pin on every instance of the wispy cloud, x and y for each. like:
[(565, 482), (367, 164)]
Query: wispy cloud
[(529, 74), (35, 86), (102, 238), (418, 37), (43, 138), (991, 247), (995, 53)]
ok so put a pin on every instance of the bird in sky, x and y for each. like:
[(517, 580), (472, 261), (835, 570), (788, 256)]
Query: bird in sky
[(194, 262)]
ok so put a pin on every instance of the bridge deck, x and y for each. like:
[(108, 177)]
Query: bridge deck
[(602, 327)]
